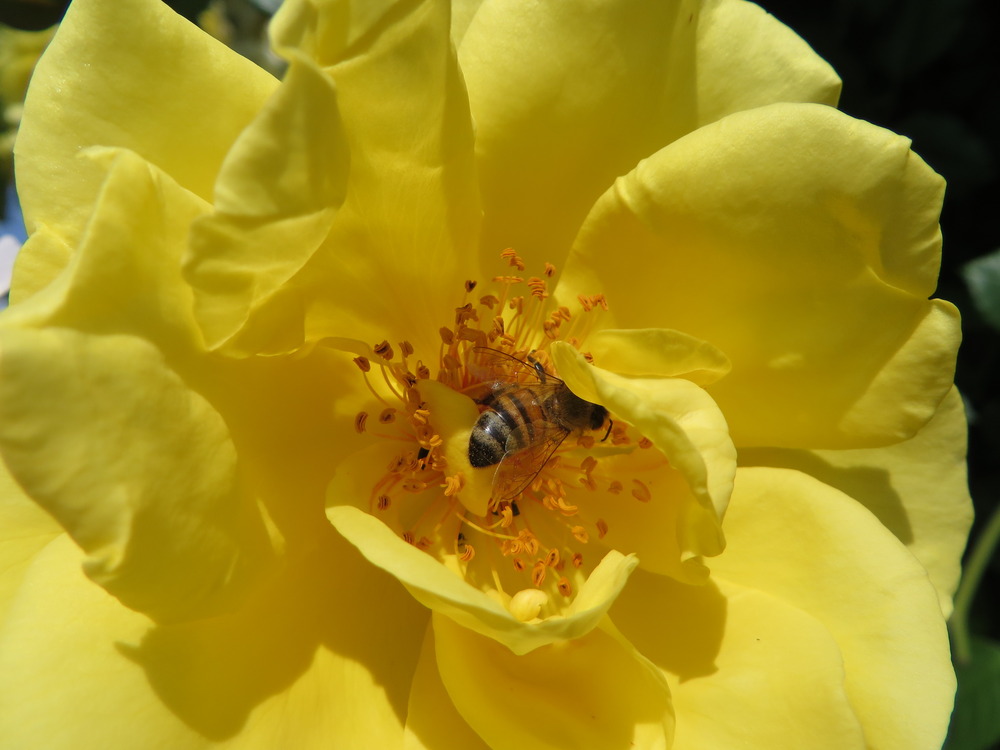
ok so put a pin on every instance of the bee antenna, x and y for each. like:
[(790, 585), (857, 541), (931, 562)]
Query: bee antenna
[(611, 423)]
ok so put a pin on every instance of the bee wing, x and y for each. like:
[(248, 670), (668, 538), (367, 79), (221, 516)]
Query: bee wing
[(518, 468), (495, 364)]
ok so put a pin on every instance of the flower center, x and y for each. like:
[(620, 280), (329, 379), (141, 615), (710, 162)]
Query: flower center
[(492, 445)]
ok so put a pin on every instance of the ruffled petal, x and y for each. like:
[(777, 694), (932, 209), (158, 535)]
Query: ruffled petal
[(411, 201), (747, 58), (684, 424), (315, 658), (441, 590), (136, 466), (276, 198), (38, 262), (591, 692), (918, 489), (130, 74), (124, 276), (786, 280), (798, 540), (746, 669), (567, 97)]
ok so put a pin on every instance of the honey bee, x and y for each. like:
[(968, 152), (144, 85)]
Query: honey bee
[(524, 421)]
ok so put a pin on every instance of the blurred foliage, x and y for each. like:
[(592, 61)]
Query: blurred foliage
[(930, 69)]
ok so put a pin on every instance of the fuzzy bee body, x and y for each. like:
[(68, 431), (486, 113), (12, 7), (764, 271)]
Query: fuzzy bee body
[(523, 423)]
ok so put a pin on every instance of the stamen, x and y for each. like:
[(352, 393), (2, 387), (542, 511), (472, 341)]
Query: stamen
[(535, 530)]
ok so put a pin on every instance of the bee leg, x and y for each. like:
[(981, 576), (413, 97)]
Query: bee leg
[(611, 423)]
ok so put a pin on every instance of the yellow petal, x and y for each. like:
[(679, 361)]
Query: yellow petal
[(24, 530), (61, 625), (589, 692), (787, 278), (130, 74), (38, 262), (124, 276), (432, 723), (136, 466), (566, 98), (918, 489), (279, 189), (745, 668), (818, 550), (441, 590), (324, 655), (397, 255), (683, 423), (658, 352), (747, 58)]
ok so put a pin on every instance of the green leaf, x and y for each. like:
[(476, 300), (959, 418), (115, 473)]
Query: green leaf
[(975, 724), (983, 278)]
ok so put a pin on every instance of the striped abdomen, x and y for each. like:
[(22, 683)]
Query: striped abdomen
[(505, 427)]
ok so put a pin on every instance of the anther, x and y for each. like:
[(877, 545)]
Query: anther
[(384, 350), (470, 285), (513, 258), (538, 573), (360, 420), (406, 348), (580, 533), (464, 313), (537, 287), (645, 443), (564, 586), (454, 484), (363, 364), (489, 301), (388, 415), (615, 487), (552, 558), (641, 492), (577, 560), (446, 335), (549, 269), (602, 528), (518, 564), (384, 501)]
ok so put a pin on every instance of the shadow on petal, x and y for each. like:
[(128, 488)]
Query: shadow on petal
[(869, 485), (676, 626), (214, 673)]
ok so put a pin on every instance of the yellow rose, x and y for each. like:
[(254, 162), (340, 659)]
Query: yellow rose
[(254, 327)]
